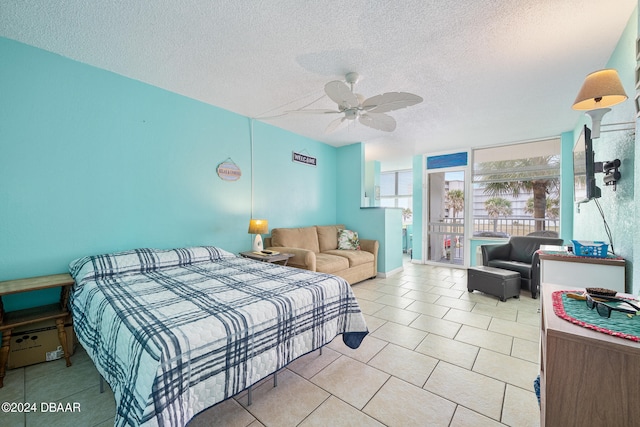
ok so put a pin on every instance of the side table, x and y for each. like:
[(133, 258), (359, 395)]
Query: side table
[(13, 319), (585, 375), (267, 258)]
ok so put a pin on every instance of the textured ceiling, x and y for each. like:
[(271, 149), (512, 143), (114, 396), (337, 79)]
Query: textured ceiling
[(490, 72)]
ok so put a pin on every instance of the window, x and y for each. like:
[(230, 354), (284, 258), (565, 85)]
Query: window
[(396, 191), (516, 188)]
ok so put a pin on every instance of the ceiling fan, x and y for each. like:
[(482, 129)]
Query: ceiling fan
[(370, 112)]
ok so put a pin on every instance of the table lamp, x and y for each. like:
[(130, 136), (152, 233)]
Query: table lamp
[(258, 227)]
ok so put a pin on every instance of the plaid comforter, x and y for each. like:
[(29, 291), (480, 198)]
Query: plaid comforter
[(177, 331)]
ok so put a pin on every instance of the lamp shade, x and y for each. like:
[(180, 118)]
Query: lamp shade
[(600, 89), (258, 226)]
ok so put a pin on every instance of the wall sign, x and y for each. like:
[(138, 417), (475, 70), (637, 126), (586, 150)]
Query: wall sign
[(229, 171), (304, 159)]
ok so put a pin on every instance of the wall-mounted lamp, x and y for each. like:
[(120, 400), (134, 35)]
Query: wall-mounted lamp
[(600, 90), (258, 227)]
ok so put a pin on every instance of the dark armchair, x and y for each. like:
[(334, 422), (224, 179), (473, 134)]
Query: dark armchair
[(519, 254)]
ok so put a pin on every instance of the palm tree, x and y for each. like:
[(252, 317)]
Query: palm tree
[(495, 207), (454, 201), (552, 209), (506, 177)]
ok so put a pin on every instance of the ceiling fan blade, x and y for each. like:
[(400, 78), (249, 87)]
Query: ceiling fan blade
[(378, 121), (317, 111), (340, 93), (336, 124), (390, 101)]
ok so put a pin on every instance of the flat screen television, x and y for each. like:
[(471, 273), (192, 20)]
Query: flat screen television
[(584, 179)]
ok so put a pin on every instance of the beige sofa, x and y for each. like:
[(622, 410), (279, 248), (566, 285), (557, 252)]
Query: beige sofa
[(316, 248)]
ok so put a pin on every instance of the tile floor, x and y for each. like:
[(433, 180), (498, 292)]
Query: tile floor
[(436, 355)]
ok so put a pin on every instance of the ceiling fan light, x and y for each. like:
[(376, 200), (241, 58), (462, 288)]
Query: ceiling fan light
[(351, 114), (369, 111), (352, 77)]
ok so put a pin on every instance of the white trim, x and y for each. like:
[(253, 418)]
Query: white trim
[(523, 141), (444, 265), (468, 184), (468, 209), (425, 210), (384, 275)]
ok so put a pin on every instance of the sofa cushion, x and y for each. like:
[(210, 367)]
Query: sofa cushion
[(303, 238), (328, 263), (328, 236), (354, 257), (521, 267)]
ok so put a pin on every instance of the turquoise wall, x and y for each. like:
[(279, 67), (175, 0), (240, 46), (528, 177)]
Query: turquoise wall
[(292, 194), (618, 206), (418, 202), (92, 162), (567, 206), (382, 224)]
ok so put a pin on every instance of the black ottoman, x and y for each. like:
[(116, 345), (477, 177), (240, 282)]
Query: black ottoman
[(494, 281)]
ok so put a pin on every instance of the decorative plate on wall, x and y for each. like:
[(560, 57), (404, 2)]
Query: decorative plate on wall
[(229, 171)]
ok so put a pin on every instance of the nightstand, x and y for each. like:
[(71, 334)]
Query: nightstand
[(13, 319), (268, 258)]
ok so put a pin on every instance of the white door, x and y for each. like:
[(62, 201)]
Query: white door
[(445, 208)]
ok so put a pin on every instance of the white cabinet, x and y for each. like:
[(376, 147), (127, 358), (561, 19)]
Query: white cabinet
[(582, 272)]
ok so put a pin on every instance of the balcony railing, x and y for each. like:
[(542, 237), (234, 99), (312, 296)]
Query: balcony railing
[(514, 226), (508, 226), (446, 241)]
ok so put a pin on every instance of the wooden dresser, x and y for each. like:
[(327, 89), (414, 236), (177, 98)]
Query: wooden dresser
[(587, 378)]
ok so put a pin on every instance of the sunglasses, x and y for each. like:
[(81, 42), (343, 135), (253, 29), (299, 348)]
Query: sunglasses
[(604, 310)]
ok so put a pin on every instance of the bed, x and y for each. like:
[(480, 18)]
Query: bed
[(176, 331)]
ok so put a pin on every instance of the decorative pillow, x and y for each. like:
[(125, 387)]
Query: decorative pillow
[(349, 240)]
